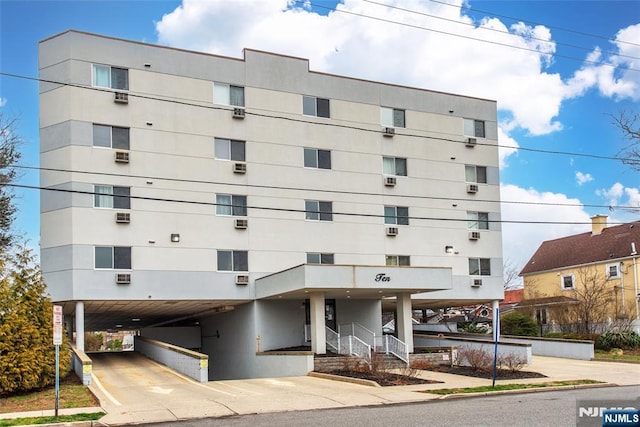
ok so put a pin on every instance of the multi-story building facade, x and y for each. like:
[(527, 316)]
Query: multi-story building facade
[(253, 197)]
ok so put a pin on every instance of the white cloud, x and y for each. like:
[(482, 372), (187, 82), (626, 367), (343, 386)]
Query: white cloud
[(624, 201), (613, 194), (508, 146), (373, 49), (583, 178), (541, 216)]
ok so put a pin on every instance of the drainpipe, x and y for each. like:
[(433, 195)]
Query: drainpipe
[(635, 276)]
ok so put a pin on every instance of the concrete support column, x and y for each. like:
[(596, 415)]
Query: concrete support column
[(495, 305), (318, 333), (80, 325), (405, 324)]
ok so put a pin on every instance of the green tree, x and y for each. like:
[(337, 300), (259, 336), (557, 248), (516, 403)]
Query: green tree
[(9, 155), (27, 354), (518, 324)]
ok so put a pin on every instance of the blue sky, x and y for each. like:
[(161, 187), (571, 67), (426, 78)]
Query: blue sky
[(549, 97)]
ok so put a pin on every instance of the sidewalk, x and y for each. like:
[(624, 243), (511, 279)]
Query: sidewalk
[(177, 398)]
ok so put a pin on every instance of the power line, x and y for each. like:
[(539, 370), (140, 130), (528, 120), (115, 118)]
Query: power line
[(317, 190), (347, 214), (589, 49), (178, 101), (418, 27)]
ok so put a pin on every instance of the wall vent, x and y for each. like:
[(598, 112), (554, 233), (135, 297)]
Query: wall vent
[(123, 217), (122, 157), (472, 188), (390, 181), (121, 98), (388, 131), (474, 235), (241, 223), (476, 283), (239, 168), (242, 279), (123, 278), (238, 113), (392, 231), (471, 142)]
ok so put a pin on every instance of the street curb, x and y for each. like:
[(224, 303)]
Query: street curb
[(523, 391), (359, 381)]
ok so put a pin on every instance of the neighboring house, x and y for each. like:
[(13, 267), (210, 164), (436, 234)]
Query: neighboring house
[(261, 204), (585, 278)]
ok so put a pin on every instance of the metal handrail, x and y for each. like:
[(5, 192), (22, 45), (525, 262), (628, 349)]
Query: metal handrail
[(354, 346), (397, 348), (332, 339)]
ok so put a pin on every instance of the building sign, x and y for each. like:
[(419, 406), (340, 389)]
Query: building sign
[(382, 277)]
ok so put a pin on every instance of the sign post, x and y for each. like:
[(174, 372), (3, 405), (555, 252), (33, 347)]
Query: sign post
[(57, 341)]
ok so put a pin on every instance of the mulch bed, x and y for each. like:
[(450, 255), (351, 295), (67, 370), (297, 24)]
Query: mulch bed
[(501, 374), (384, 379)]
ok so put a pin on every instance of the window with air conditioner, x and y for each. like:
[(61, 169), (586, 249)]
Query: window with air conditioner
[(396, 215), (479, 267), (110, 137), (477, 220), (233, 260), (394, 260), (226, 94), (317, 107), (316, 210), (474, 128), (315, 158), (475, 174), (230, 149), (394, 166), (231, 204), (613, 271), (319, 258), (112, 197), (392, 117), (110, 77), (567, 281), (112, 257)]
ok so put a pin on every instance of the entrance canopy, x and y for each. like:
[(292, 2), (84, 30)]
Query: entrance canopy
[(351, 281)]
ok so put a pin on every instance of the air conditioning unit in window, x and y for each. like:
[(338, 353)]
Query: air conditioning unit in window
[(123, 217), (122, 157), (471, 142), (474, 235), (238, 113), (476, 283), (239, 168), (388, 131), (242, 279), (392, 231), (123, 278), (121, 98), (390, 181), (472, 188), (241, 223)]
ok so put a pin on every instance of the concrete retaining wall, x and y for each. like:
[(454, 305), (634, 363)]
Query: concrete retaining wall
[(570, 349), (523, 351), (187, 362), (82, 365), (284, 364)]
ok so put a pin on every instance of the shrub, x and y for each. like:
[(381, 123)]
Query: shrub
[(511, 362), (474, 328), (477, 359), (518, 324), (619, 339)]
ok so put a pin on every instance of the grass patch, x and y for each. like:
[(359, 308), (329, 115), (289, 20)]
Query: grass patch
[(72, 395), (501, 387), (625, 357), (49, 420)]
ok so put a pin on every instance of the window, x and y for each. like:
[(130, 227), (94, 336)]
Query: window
[(567, 281), (397, 260), (227, 204), (314, 158), (110, 257), (613, 271), (230, 149), (318, 211), (226, 94), (479, 267), (318, 258), (312, 106), (392, 117), (111, 77), (394, 166), (396, 215), (233, 261), (542, 316), (474, 173), (110, 137), (478, 220), (474, 128), (107, 196)]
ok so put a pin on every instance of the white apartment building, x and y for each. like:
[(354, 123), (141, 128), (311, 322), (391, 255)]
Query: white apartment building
[(258, 201)]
